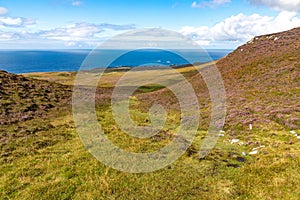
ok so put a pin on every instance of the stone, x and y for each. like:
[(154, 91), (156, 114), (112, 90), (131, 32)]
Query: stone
[(293, 132), (253, 152), (234, 141)]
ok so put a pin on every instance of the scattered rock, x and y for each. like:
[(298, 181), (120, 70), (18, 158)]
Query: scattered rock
[(263, 146), (234, 141), (221, 133), (293, 132), (244, 153), (253, 152), (251, 41), (241, 143)]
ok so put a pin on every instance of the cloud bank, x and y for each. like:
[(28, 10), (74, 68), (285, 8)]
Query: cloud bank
[(16, 22), (287, 5), (241, 28), (73, 35), (228, 33)]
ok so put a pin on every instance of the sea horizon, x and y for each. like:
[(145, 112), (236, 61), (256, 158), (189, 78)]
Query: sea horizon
[(20, 61)]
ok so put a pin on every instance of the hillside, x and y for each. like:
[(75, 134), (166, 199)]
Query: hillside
[(42, 156), (262, 81), (22, 99)]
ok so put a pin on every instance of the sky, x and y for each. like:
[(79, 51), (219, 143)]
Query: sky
[(84, 24)]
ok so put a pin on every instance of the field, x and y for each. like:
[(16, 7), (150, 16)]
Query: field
[(44, 158)]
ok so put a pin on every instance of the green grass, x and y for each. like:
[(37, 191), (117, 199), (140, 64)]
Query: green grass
[(44, 158), (50, 162), (150, 88)]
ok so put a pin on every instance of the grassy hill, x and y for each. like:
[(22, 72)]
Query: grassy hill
[(24, 99), (42, 156), (262, 78), (262, 81)]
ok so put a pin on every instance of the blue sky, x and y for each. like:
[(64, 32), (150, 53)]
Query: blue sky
[(50, 24)]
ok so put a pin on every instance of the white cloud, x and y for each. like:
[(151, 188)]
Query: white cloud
[(73, 32), (211, 3), (16, 21), (241, 28), (9, 21), (6, 36), (82, 31), (77, 3), (287, 5), (3, 11), (194, 4), (83, 34), (78, 35), (17, 35)]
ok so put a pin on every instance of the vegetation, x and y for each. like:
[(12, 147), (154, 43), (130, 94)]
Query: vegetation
[(42, 156)]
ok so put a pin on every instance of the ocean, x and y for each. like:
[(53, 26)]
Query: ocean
[(26, 61)]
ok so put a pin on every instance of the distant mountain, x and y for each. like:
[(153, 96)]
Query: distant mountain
[(23, 98)]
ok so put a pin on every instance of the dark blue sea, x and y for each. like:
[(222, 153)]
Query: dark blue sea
[(25, 61)]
